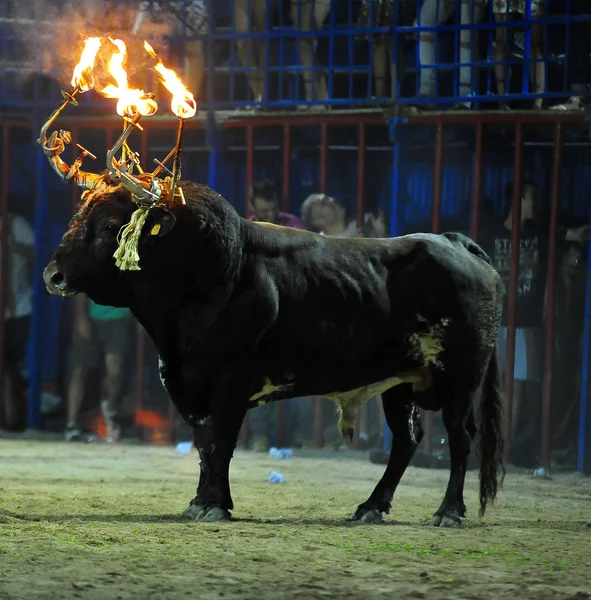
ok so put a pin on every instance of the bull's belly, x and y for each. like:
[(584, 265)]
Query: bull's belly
[(420, 378)]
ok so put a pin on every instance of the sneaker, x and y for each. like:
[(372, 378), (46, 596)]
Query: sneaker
[(114, 433), (260, 443), (572, 104), (73, 434)]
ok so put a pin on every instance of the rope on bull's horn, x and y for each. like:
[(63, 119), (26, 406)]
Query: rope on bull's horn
[(126, 256)]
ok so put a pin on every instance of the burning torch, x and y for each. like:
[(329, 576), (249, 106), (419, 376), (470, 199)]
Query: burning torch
[(183, 105), (82, 81)]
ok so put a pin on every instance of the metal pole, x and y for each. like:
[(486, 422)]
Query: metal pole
[(584, 450), (35, 359), (323, 155), (318, 417), (477, 183), (245, 431), (513, 278), (435, 227), (359, 212), (282, 410), (550, 297), (249, 166), (360, 174), (395, 229), (285, 195), (4, 185)]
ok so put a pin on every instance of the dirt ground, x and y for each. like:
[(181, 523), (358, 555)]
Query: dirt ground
[(95, 522)]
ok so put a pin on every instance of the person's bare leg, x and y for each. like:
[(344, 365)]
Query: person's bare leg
[(76, 388), (380, 68), (112, 406), (500, 54), (537, 73), (248, 58), (194, 67), (302, 15), (259, 22), (321, 10)]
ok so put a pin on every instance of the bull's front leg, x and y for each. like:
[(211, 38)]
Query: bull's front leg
[(215, 440)]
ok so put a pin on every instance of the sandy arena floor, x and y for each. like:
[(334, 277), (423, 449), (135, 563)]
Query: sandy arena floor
[(96, 522)]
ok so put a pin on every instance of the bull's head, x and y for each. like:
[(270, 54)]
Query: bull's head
[(83, 262), (191, 250)]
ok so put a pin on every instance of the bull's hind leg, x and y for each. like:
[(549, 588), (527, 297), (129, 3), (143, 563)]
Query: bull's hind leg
[(458, 419), (403, 418)]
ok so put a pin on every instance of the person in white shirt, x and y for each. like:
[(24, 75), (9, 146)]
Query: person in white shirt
[(17, 315)]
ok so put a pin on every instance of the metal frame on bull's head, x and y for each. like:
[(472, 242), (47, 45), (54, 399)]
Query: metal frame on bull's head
[(147, 190)]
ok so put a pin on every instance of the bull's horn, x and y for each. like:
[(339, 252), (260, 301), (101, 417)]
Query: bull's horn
[(56, 144), (145, 192)]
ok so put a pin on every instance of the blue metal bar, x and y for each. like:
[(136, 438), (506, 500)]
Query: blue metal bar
[(331, 57), (396, 223), (526, 51), (36, 331), (584, 451), (267, 52), (457, 51), (211, 132)]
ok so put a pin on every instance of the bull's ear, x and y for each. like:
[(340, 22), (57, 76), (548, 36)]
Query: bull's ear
[(160, 221)]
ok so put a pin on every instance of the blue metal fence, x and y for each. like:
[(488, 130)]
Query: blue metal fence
[(444, 52)]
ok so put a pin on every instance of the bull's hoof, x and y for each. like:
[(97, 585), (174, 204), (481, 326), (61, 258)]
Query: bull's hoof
[(216, 514), (196, 512), (367, 515), (450, 520)]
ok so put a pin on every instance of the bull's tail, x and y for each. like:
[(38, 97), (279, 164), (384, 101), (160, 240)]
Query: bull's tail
[(491, 444)]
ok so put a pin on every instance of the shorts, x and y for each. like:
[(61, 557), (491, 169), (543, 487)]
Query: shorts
[(190, 17), (528, 352), (501, 7), (108, 337), (16, 337)]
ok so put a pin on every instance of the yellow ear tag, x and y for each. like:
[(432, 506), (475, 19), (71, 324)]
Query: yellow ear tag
[(155, 229)]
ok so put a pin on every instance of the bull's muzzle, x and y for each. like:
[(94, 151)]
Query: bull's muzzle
[(55, 281)]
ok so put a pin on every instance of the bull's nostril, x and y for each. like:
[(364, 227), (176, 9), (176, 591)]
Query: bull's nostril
[(57, 278)]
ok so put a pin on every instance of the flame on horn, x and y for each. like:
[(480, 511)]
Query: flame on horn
[(183, 103), (129, 100), (83, 78)]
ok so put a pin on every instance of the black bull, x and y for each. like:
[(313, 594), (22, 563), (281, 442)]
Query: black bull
[(244, 313)]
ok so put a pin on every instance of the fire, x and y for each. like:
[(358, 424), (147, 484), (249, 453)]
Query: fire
[(183, 103), (130, 101), (83, 77)]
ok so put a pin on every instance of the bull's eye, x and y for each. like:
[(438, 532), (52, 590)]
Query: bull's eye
[(112, 225)]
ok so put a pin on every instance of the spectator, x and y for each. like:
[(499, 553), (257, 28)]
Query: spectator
[(383, 12), (577, 58), (323, 214), (251, 15), (17, 315), (568, 342), (529, 311), (436, 12), (265, 201), (503, 9), (101, 332), (310, 16), (179, 18)]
